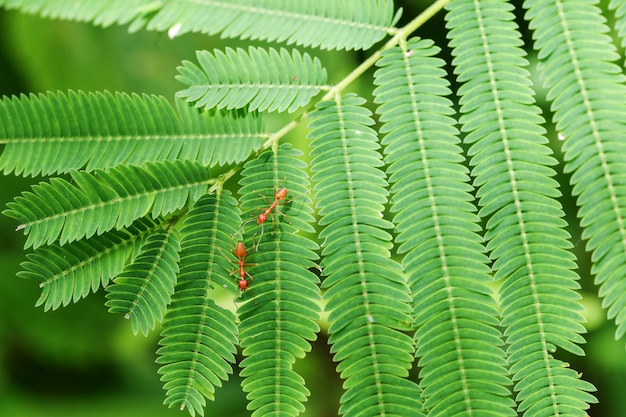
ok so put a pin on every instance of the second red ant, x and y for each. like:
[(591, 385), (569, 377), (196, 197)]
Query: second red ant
[(244, 276), (279, 196), (240, 253)]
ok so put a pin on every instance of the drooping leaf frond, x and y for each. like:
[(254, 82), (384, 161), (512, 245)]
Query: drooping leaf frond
[(259, 79), (366, 292), (143, 290), (283, 301), (589, 102), (57, 132), (199, 337), (525, 231), (463, 369), (68, 273), (100, 12), (325, 24), (354, 24), (104, 200)]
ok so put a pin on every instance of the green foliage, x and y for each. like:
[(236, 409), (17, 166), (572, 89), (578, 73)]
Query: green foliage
[(460, 348), (199, 337), (141, 205), (525, 230), (143, 290), (104, 200), (355, 24), (100, 12), (278, 322), (366, 293), (590, 115), (221, 84), (70, 272), (620, 10), (55, 133)]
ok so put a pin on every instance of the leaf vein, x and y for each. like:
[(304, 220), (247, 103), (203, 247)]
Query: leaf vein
[(290, 15)]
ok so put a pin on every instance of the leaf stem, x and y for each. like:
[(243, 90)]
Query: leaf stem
[(219, 182), (400, 36)]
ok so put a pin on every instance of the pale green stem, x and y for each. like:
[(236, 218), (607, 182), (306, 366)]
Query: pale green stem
[(219, 182), (400, 35)]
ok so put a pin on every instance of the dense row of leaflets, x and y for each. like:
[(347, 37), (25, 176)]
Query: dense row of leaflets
[(200, 222)]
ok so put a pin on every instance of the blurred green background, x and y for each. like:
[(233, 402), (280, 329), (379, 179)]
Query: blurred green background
[(81, 360)]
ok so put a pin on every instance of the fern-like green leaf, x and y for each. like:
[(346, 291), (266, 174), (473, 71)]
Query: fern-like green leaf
[(463, 368), (354, 24), (68, 273), (199, 337), (55, 132), (100, 12), (526, 231), (589, 103), (279, 317), (104, 200), (619, 6), (143, 290), (259, 79), (366, 292)]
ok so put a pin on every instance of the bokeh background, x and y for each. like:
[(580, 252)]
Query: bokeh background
[(80, 360)]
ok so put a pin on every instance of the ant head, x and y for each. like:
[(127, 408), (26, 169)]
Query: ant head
[(262, 218), (243, 284), (240, 250)]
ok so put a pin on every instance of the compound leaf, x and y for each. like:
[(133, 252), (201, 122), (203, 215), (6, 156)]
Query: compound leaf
[(56, 132), (96, 202), (525, 229), (259, 79), (70, 272), (455, 315), (199, 337), (366, 292), (282, 305), (143, 290)]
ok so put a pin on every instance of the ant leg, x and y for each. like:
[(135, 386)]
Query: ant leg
[(260, 238)]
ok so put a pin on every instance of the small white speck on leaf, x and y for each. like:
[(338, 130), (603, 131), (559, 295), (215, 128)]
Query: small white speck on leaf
[(173, 31)]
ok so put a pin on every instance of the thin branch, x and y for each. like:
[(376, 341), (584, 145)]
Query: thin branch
[(400, 36)]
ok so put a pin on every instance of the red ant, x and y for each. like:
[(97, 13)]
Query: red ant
[(279, 198), (241, 253), (279, 195)]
